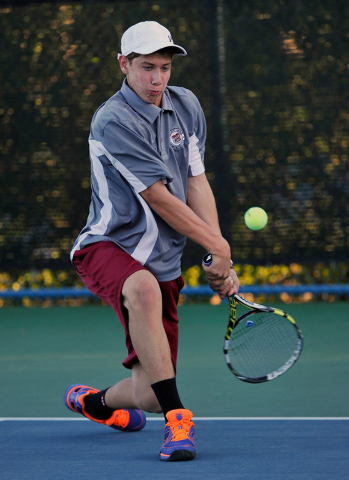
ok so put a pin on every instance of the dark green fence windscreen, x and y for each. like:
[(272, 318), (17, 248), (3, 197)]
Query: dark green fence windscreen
[(273, 80)]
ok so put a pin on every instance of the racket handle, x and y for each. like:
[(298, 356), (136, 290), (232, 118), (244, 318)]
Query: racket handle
[(207, 260)]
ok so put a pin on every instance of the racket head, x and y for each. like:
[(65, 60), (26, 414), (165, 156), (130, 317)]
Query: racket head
[(262, 344)]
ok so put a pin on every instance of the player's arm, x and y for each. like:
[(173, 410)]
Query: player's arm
[(185, 221), (201, 200)]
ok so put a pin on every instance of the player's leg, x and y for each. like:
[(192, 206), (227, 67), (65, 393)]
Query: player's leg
[(134, 392), (143, 300), (153, 323), (149, 306)]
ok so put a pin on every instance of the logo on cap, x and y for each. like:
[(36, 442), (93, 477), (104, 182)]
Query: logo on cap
[(176, 138)]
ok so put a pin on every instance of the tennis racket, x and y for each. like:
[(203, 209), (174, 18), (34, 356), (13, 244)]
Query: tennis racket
[(261, 344)]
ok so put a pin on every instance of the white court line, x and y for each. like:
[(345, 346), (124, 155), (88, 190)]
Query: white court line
[(66, 419)]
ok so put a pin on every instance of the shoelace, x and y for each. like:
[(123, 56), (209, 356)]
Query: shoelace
[(119, 418), (180, 429)]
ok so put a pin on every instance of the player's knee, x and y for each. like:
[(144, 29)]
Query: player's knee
[(147, 291), (144, 292)]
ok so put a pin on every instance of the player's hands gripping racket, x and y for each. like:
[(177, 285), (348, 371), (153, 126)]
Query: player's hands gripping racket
[(263, 343)]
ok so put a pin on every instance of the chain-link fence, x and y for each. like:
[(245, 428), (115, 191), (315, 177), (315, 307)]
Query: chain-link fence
[(272, 77)]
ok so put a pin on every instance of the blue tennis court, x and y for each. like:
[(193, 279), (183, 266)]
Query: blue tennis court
[(227, 449)]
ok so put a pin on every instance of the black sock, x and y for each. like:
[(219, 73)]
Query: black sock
[(96, 407), (167, 395)]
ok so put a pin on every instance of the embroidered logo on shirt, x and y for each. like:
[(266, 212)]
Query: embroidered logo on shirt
[(176, 138)]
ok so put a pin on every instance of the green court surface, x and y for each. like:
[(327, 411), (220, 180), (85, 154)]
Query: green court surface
[(43, 351)]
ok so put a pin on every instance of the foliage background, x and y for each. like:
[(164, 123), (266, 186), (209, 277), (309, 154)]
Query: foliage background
[(282, 144)]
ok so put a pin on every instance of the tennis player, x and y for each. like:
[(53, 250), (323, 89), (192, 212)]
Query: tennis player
[(149, 193)]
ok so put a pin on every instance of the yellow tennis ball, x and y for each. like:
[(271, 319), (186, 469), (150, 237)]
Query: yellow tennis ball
[(256, 218)]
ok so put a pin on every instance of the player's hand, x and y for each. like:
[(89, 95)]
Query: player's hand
[(228, 287), (236, 282), (221, 277)]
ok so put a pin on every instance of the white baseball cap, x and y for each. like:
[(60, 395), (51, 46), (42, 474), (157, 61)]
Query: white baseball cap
[(148, 37)]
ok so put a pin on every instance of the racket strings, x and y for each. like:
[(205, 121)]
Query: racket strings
[(261, 343)]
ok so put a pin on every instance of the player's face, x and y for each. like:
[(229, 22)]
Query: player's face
[(148, 76)]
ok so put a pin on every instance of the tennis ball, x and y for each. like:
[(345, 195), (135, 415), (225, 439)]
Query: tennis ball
[(256, 218)]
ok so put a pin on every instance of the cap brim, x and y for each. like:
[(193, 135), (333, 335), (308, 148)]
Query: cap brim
[(177, 50)]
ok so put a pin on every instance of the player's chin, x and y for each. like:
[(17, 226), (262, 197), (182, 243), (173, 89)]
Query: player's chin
[(154, 97)]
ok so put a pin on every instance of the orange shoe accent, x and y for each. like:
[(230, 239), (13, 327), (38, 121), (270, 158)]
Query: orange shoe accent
[(119, 418), (179, 436), (180, 423), (123, 419)]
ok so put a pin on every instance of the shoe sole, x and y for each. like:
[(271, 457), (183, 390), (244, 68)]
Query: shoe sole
[(179, 456)]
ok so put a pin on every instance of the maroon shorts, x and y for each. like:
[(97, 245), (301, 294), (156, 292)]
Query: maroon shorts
[(104, 267)]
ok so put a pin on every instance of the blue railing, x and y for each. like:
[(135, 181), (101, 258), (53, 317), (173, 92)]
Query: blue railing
[(201, 291)]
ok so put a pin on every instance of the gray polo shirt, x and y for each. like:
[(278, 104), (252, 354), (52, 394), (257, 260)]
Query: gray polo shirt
[(133, 144)]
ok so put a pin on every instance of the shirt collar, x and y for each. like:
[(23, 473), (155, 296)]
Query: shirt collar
[(147, 110)]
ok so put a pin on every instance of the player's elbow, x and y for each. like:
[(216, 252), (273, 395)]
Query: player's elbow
[(155, 195)]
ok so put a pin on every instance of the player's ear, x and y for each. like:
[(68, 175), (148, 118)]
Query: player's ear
[(124, 64)]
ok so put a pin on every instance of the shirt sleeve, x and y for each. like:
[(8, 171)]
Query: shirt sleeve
[(133, 156), (197, 140)]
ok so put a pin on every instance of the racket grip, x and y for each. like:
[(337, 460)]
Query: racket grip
[(207, 260)]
